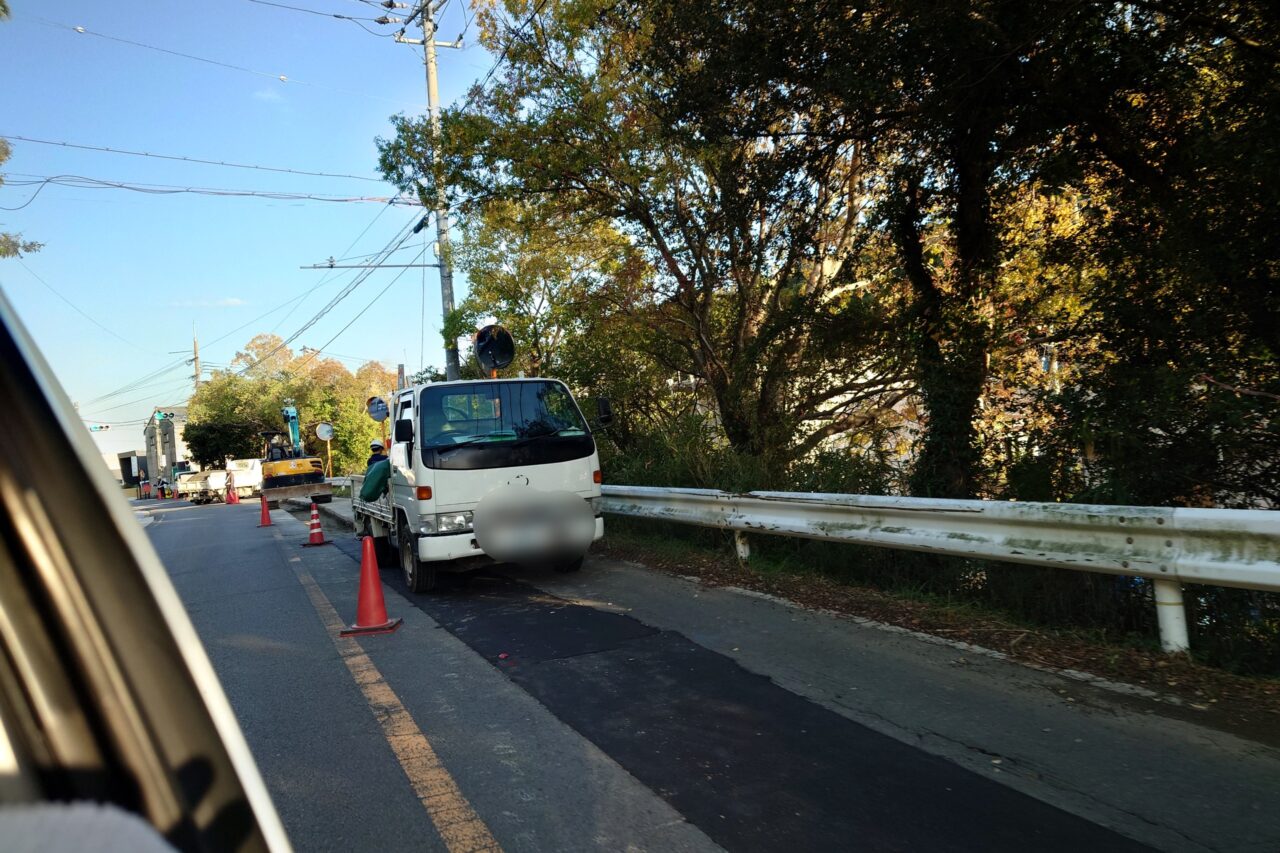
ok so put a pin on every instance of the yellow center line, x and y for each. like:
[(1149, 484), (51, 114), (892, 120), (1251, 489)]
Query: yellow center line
[(459, 826)]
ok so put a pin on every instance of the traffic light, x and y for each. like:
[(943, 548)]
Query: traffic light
[(99, 427), (159, 416)]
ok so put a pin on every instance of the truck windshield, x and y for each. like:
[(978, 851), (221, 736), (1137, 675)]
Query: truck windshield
[(493, 424)]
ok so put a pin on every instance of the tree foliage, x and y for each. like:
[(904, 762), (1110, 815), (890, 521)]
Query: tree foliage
[(1022, 248), (1000, 249), (12, 245), (230, 411)]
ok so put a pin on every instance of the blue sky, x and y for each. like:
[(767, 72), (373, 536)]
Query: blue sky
[(149, 266)]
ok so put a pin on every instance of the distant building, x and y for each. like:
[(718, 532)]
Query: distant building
[(133, 467), (166, 451)]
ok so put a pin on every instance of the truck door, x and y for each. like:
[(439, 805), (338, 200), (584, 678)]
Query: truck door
[(401, 456)]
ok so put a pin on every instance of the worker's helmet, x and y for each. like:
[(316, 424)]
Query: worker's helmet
[(375, 445)]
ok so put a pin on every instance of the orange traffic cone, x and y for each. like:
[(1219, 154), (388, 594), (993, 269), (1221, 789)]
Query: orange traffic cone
[(266, 514), (371, 610), (317, 533)]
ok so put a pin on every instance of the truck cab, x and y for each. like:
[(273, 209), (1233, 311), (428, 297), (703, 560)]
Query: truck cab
[(457, 444)]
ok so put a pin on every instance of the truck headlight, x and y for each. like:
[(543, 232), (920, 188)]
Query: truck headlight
[(595, 504), (453, 522), (427, 525)]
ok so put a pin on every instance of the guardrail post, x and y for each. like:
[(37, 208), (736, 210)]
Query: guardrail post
[(1171, 616), (741, 545)]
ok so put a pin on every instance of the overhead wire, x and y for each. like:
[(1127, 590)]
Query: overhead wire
[(295, 300), (180, 158), (309, 11), (143, 399), (83, 182), (283, 78), (502, 57), (361, 312), (358, 358), (349, 18), (325, 277), (134, 384), (76, 307), (346, 291)]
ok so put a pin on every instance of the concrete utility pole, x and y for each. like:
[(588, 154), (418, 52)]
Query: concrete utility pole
[(427, 14), (195, 348)]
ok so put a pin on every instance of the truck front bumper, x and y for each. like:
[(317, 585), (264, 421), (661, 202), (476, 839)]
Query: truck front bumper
[(457, 546)]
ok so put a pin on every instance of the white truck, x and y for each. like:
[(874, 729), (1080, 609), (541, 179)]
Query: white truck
[(485, 470), (187, 484), (212, 486)]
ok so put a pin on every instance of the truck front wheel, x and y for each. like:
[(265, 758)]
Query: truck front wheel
[(418, 576)]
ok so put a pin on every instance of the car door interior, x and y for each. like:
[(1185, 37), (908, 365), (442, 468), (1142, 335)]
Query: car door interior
[(106, 693)]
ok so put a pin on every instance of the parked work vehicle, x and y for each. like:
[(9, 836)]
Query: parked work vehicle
[(287, 470), (485, 470), (247, 475), (187, 484)]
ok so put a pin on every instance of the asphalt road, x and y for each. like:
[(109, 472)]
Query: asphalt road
[(620, 709)]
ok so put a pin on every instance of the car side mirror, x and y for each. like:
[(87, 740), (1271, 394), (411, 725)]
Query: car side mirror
[(404, 431), (604, 411)]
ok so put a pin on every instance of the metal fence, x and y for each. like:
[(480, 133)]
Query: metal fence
[(1220, 547)]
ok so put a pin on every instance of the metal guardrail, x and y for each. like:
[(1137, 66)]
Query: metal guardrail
[(1219, 547)]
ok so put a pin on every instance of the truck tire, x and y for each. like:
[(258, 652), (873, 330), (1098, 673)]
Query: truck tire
[(567, 566), (418, 576)]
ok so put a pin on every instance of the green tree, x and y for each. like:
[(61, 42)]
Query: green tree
[(229, 412), (12, 245), (211, 443), (1159, 116), (531, 269), (743, 291)]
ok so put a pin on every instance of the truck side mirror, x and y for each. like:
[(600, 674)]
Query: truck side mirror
[(404, 431), (604, 411)]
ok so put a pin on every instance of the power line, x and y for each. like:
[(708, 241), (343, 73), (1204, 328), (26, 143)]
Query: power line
[(82, 182), (189, 159), (360, 314), (297, 299), (309, 11), (404, 234), (502, 57), (325, 277), (283, 78), (338, 355), (143, 399), (138, 386), (76, 307), (136, 383), (349, 18)]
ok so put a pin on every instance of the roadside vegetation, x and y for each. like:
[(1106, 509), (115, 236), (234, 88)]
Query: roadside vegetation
[(1015, 251), (228, 413)]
